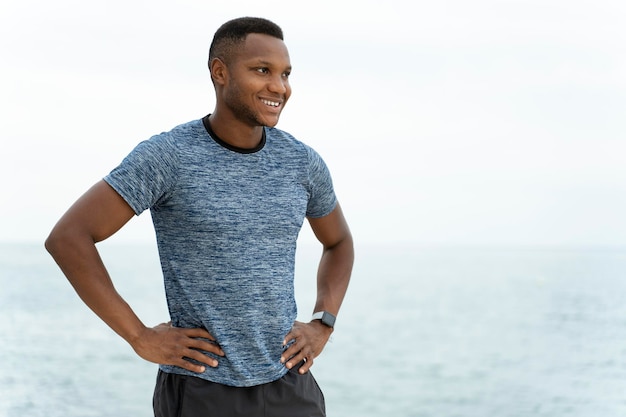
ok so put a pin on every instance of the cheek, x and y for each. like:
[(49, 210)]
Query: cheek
[(241, 88), (288, 91)]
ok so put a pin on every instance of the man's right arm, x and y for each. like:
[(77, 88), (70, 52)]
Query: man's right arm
[(97, 215)]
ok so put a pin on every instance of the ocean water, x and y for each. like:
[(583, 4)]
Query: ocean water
[(424, 331)]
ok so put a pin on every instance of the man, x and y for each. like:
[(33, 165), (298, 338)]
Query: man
[(228, 195)]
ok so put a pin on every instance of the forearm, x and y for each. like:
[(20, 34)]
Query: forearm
[(78, 258), (333, 275), (96, 216)]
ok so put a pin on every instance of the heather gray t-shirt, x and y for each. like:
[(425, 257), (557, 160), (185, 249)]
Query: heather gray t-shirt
[(226, 223)]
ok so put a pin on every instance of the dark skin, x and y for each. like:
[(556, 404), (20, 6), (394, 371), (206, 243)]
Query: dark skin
[(251, 91)]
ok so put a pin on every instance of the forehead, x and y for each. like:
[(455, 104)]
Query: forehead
[(264, 48)]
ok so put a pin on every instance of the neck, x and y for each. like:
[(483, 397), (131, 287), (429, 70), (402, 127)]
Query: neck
[(234, 132)]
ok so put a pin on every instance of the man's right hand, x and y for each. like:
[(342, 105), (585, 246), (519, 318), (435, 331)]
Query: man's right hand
[(95, 216), (168, 345)]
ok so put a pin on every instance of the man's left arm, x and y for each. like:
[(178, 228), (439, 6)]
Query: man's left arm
[(333, 276)]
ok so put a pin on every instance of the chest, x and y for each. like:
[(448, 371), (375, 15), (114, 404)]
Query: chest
[(258, 196)]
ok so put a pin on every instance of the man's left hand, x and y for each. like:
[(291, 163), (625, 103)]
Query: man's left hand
[(309, 340)]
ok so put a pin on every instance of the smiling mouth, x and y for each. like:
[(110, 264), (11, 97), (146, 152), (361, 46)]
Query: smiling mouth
[(270, 103)]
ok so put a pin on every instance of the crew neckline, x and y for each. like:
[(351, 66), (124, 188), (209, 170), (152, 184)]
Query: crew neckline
[(221, 142)]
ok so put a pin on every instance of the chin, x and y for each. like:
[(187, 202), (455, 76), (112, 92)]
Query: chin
[(270, 122)]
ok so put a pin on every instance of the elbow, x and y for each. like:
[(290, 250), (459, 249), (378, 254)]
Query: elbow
[(345, 242), (53, 242), (59, 240), (349, 244), (344, 245)]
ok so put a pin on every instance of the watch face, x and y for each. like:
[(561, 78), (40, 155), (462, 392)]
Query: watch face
[(328, 319)]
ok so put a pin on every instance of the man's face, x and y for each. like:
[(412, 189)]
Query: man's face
[(258, 84)]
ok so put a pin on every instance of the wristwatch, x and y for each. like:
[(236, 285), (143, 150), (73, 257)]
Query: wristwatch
[(326, 318)]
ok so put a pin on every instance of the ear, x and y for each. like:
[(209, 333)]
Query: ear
[(219, 71)]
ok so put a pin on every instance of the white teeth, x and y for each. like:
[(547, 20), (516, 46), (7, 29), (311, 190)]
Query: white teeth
[(271, 103)]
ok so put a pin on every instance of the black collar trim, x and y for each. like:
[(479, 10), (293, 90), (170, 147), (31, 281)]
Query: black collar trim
[(219, 141)]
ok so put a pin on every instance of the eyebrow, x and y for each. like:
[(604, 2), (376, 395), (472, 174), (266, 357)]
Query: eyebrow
[(269, 64)]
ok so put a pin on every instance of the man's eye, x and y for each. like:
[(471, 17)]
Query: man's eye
[(262, 70)]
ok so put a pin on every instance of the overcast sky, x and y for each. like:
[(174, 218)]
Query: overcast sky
[(454, 122)]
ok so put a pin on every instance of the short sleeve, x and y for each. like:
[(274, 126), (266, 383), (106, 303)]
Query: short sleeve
[(322, 199), (146, 174)]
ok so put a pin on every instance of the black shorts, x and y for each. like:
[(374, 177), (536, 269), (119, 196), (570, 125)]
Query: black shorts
[(293, 395)]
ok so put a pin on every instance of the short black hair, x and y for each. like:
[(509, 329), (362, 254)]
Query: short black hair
[(234, 32)]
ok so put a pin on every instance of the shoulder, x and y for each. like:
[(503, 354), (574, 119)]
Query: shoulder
[(169, 145), (281, 139), (162, 152), (179, 135)]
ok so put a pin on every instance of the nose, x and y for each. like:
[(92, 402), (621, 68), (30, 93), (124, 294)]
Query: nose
[(279, 84)]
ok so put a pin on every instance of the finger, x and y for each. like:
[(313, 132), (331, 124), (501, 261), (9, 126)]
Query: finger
[(206, 346), (291, 351), (296, 359), (201, 357), (194, 333), (290, 337), (198, 332), (185, 364), (306, 366), (293, 334)]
